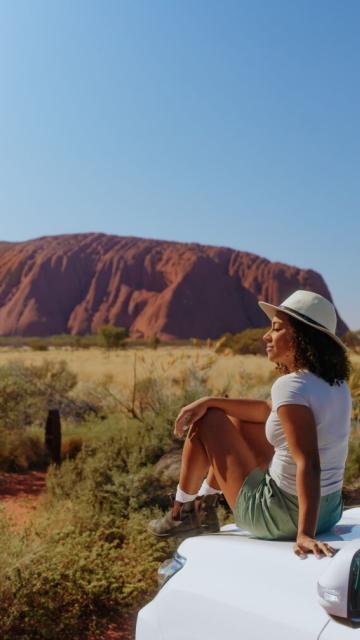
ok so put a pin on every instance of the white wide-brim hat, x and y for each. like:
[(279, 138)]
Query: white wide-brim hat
[(309, 307)]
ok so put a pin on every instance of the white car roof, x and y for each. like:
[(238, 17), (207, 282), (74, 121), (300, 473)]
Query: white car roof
[(232, 567), (348, 528)]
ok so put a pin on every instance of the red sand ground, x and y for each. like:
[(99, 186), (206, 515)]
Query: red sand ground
[(19, 493)]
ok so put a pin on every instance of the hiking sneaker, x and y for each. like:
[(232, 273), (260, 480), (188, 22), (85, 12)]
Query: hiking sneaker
[(206, 508), (181, 521)]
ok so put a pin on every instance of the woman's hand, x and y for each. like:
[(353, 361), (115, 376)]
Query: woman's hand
[(190, 414), (306, 544)]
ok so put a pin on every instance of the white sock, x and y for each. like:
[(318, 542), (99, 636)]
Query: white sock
[(182, 496), (206, 490)]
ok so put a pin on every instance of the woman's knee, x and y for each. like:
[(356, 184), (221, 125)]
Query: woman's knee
[(214, 416), (210, 420)]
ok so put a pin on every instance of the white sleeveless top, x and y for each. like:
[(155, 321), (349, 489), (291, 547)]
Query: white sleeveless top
[(331, 407)]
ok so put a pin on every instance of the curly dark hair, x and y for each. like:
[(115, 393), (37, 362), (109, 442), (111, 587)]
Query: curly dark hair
[(319, 353)]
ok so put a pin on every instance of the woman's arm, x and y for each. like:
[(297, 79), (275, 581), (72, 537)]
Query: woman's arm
[(300, 429), (246, 410)]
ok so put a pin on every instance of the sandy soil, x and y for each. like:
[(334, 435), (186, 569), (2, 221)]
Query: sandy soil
[(19, 493)]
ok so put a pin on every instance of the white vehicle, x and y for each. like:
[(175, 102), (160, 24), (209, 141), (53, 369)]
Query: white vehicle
[(231, 585)]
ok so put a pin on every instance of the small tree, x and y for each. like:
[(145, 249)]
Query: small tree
[(113, 337), (154, 342)]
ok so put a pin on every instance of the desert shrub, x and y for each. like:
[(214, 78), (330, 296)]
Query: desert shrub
[(151, 399), (254, 385), (246, 342), (26, 391), (71, 447), (38, 345), (114, 476), (86, 341), (79, 409), (22, 451), (71, 571), (112, 337), (153, 342), (352, 340)]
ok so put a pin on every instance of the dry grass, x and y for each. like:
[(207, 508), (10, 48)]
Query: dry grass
[(170, 363), (355, 359), (234, 375)]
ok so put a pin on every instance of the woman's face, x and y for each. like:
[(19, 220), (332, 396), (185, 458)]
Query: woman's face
[(279, 347)]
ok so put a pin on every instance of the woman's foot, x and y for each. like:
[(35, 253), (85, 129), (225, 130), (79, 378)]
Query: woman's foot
[(206, 508), (187, 519), (181, 521)]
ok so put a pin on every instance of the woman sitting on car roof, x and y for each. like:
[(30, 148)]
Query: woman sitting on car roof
[(279, 464)]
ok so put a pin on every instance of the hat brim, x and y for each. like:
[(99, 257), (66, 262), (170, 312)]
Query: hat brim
[(271, 309)]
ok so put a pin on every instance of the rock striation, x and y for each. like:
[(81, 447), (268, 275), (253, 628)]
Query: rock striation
[(75, 283)]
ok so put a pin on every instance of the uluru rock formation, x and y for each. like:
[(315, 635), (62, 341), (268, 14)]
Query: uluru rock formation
[(75, 283)]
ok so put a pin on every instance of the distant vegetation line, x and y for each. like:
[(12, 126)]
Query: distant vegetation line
[(111, 337)]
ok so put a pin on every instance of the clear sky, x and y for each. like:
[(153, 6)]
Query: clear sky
[(233, 123)]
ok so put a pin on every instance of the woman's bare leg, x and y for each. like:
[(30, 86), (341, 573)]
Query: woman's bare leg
[(214, 440), (254, 435)]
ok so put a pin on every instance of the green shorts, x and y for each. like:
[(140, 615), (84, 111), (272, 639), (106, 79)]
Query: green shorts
[(269, 512)]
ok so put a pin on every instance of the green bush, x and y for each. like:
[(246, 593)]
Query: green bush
[(352, 340), (71, 571), (71, 447), (26, 391), (154, 342), (22, 451), (113, 477), (38, 345), (246, 342), (112, 337)]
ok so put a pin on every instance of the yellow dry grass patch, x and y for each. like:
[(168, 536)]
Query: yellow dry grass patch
[(168, 362), (233, 373)]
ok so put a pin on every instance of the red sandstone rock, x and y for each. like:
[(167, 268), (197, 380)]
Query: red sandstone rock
[(75, 283)]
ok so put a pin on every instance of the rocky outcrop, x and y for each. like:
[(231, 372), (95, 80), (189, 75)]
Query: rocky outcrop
[(75, 283), (167, 468)]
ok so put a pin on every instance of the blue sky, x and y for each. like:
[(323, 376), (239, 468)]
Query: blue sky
[(233, 123)]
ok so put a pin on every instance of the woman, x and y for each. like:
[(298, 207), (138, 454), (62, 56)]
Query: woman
[(280, 465)]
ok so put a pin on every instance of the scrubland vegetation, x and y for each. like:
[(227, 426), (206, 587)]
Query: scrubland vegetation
[(85, 553)]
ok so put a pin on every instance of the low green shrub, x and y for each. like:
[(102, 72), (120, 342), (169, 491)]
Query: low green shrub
[(22, 451), (38, 345), (246, 342), (26, 391), (153, 342), (65, 575), (71, 447), (113, 477), (112, 337), (352, 340)]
